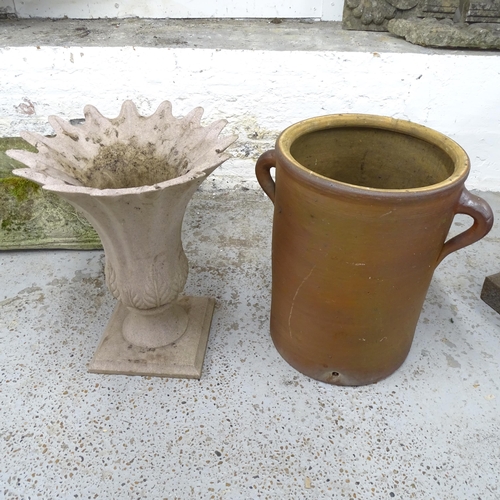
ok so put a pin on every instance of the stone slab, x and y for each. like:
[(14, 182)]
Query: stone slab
[(31, 218), (490, 293), (182, 359), (446, 34)]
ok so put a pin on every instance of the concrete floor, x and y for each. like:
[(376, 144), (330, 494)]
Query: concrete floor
[(252, 427)]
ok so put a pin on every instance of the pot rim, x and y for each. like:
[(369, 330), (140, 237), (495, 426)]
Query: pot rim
[(457, 154)]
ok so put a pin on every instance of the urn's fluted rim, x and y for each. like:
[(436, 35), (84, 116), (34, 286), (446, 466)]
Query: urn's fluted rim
[(44, 181), (125, 155), (456, 153)]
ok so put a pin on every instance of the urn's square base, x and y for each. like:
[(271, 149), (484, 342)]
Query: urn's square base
[(182, 359)]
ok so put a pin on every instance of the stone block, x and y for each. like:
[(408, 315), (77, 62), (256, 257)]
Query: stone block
[(491, 291), (31, 218)]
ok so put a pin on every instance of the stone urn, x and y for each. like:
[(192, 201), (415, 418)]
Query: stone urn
[(132, 177), (362, 209)]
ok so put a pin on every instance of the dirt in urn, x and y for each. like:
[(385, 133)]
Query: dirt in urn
[(125, 166)]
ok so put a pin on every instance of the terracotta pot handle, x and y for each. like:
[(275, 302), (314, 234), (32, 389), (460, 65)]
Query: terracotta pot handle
[(265, 163), (482, 214)]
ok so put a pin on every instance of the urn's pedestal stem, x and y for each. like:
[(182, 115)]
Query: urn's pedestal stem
[(152, 328)]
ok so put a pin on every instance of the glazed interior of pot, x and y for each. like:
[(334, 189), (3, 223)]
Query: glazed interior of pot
[(372, 157)]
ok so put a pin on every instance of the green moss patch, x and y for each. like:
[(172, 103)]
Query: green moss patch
[(18, 187)]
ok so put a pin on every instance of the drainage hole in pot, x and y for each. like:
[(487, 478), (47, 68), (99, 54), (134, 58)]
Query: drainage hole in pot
[(335, 374)]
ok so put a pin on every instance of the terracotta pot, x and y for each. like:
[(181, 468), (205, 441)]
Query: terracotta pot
[(362, 208)]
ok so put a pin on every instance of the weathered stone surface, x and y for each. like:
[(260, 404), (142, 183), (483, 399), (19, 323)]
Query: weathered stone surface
[(374, 15), (491, 291), (483, 11), (440, 8), (31, 218), (432, 33)]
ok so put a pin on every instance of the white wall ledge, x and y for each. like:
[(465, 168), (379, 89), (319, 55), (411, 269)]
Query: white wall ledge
[(227, 34), (260, 76)]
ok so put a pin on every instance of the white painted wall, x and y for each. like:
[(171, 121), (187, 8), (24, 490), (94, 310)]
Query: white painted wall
[(262, 92), (7, 7), (85, 9)]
